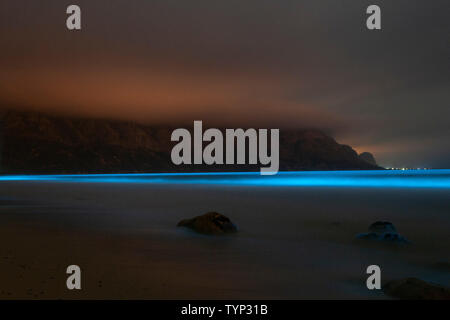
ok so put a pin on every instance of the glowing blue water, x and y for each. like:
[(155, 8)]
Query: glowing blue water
[(375, 179)]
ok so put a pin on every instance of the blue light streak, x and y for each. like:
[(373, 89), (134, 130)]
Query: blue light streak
[(367, 179)]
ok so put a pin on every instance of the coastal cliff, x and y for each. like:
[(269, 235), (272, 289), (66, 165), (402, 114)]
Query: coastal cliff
[(39, 143)]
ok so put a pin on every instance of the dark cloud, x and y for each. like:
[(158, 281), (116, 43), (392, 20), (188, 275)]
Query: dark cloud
[(274, 63)]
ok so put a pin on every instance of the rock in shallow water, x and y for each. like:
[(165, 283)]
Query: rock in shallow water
[(383, 231), (210, 223), (414, 289)]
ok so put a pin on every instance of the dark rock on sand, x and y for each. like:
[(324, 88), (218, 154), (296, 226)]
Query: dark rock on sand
[(209, 223), (382, 231), (414, 289)]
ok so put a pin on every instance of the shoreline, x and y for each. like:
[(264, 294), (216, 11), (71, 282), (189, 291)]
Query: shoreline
[(293, 243)]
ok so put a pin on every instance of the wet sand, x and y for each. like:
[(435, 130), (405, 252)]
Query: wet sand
[(293, 242)]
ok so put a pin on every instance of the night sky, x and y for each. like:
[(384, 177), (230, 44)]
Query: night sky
[(267, 63)]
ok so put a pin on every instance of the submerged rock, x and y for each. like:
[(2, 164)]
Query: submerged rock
[(414, 289), (209, 223), (382, 231)]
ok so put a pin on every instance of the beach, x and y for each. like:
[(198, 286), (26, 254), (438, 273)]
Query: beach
[(294, 242)]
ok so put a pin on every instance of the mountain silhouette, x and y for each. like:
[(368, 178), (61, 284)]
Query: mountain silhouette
[(40, 143)]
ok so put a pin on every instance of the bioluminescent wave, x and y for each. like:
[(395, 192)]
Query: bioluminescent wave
[(369, 179)]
